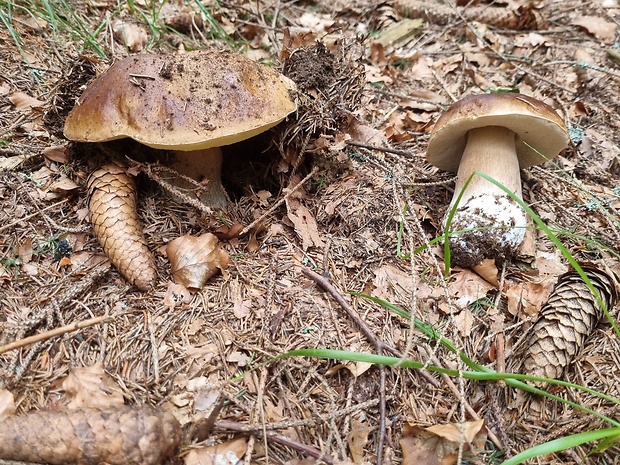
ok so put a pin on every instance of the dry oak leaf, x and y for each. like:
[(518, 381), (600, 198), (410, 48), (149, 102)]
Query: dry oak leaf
[(439, 444), (195, 259), (92, 387)]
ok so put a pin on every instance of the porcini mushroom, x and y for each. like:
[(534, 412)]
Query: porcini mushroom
[(188, 104), (495, 134)]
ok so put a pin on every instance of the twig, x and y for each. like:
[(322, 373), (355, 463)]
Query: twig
[(53, 333), (280, 439), (284, 198), (24, 218), (404, 153), (379, 344)]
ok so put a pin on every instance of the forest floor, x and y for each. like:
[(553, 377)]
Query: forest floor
[(345, 198)]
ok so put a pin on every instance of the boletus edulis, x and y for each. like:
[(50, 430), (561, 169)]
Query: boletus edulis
[(187, 105), (495, 134)]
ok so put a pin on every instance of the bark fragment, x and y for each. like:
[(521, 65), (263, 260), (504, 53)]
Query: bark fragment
[(112, 206)]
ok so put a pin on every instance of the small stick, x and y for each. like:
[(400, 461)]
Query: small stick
[(253, 224), (27, 217), (404, 153), (53, 333), (278, 438)]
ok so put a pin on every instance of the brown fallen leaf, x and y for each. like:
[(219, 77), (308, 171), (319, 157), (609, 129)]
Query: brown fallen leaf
[(23, 101), (176, 294), (357, 439), (305, 225), (119, 436), (57, 153), (92, 387), (227, 453), (439, 444), (195, 259), (598, 27), (130, 35), (7, 404)]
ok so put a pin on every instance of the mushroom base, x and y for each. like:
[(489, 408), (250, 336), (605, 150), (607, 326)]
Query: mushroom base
[(490, 226), (205, 167)]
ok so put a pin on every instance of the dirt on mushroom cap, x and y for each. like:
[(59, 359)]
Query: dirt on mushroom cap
[(183, 102)]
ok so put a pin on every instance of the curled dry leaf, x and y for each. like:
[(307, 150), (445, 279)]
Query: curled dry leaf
[(119, 436), (195, 259)]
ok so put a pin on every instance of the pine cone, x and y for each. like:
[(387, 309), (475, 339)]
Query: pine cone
[(566, 320), (112, 206), (122, 436)]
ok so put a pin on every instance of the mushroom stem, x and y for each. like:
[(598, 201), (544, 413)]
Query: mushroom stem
[(490, 150), (205, 167), (493, 223)]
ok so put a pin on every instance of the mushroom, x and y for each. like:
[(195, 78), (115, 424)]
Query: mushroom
[(188, 105), (495, 134)]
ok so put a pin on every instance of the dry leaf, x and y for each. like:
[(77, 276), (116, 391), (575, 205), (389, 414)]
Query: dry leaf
[(57, 153), (598, 27), (131, 35), (487, 271), (7, 404), (438, 445), (227, 453), (195, 259), (357, 439), (305, 225), (464, 322), (241, 308), (24, 101), (468, 287), (176, 294), (92, 387), (526, 298)]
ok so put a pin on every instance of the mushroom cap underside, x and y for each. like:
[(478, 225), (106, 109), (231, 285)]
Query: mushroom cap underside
[(540, 132), (183, 102)]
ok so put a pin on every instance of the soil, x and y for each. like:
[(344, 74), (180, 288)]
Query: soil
[(338, 194)]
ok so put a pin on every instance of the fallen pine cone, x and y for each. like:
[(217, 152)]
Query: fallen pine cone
[(566, 320), (122, 436), (112, 207)]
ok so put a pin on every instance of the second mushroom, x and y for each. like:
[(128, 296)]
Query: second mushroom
[(495, 134), (187, 104)]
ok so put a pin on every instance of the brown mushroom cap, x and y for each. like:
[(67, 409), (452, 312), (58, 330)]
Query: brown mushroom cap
[(541, 132), (183, 102)]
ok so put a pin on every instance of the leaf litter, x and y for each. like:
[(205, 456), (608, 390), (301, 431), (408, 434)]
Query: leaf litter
[(173, 343)]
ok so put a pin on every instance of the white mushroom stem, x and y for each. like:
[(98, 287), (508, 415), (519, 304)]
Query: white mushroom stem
[(205, 167), (494, 221)]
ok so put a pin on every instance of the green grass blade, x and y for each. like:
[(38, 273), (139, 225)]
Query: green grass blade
[(562, 443)]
